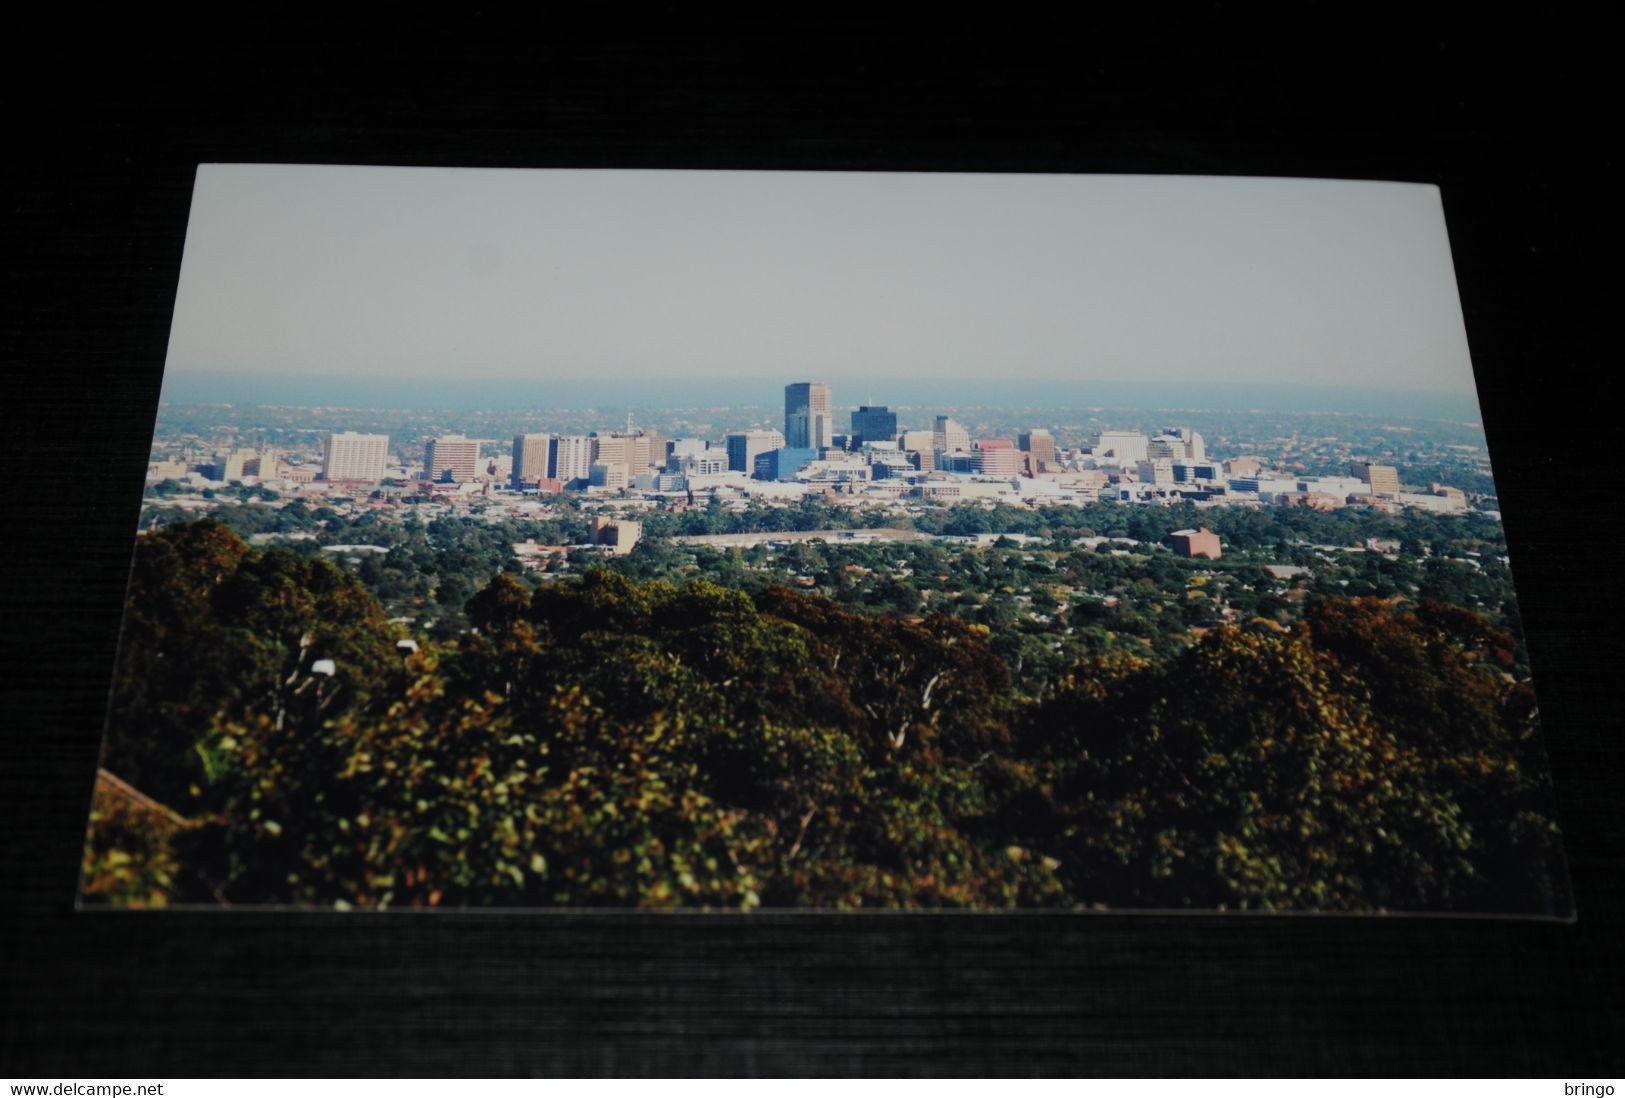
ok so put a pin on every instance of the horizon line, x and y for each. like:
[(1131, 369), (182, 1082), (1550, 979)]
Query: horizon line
[(254, 377)]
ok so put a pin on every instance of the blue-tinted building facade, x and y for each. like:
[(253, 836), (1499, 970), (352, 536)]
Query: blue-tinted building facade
[(873, 424), (783, 464)]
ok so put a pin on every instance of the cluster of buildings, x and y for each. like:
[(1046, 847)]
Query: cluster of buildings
[(875, 459), (873, 456)]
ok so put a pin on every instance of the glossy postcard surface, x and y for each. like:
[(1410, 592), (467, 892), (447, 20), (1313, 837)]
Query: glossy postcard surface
[(819, 541)]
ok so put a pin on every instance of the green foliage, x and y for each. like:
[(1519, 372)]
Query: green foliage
[(1247, 773), (603, 741), (1438, 680), (214, 629), (129, 860)]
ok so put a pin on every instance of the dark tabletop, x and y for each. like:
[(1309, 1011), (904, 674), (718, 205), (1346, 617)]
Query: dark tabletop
[(106, 123)]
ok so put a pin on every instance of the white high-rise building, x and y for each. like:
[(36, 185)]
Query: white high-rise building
[(569, 458), (349, 456)]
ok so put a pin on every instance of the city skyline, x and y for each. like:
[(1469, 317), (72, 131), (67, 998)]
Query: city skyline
[(1170, 462), (407, 275), (877, 460)]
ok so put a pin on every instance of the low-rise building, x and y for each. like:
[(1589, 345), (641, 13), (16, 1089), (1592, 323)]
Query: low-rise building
[(618, 535), (1203, 543)]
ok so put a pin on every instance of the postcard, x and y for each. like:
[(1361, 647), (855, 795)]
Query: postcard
[(819, 541)]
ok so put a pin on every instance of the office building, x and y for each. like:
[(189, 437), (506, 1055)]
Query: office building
[(1263, 485), (262, 464), (998, 457), (1125, 448), (744, 447), (809, 416), (451, 459), (679, 448), (608, 474), (873, 423), (355, 458), (784, 463), (1195, 444), (569, 458), (702, 463), (1165, 448), (530, 459), (921, 446), (234, 465), (889, 463), (1178, 444), (638, 450), (949, 437), (1382, 478), (1039, 446), (1156, 470), (1190, 472)]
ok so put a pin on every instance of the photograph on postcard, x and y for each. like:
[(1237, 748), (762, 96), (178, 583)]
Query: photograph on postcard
[(819, 541)]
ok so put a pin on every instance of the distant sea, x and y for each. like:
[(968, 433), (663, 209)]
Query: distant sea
[(456, 394)]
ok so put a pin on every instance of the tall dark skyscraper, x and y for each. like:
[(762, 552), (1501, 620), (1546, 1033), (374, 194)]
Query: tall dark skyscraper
[(873, 423), (809, 416)]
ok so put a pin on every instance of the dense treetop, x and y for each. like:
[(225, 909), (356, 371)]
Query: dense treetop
[(604, 740)]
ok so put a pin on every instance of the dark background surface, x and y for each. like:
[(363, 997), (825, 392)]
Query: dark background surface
[(106, 124)]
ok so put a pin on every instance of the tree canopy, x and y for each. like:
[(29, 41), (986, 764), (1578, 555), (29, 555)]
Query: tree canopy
[(603, 741)]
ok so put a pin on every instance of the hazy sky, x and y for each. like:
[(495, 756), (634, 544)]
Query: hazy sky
[(424, 272)]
